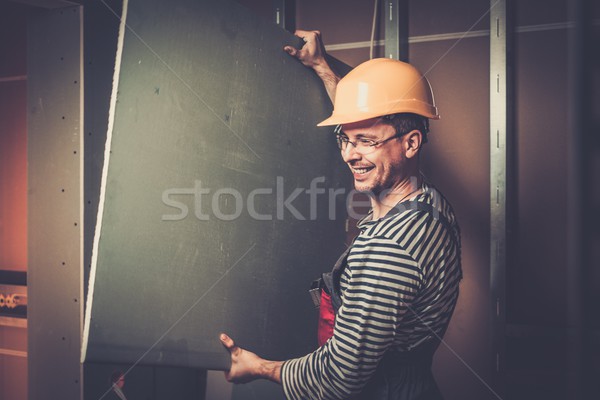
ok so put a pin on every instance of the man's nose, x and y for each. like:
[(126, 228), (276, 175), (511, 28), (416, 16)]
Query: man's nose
[(350, 153)]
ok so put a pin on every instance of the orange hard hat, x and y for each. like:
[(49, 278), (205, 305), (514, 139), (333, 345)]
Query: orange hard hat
[(378, 87)]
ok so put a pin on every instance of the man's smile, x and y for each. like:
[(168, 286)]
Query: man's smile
[(361, 170)]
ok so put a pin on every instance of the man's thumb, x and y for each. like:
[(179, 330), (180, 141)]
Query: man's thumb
[(290, 50)]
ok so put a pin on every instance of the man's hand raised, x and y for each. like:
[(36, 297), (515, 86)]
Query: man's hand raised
[(313, 55)]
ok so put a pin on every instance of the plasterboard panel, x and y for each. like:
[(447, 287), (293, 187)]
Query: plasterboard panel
[(206, 100)]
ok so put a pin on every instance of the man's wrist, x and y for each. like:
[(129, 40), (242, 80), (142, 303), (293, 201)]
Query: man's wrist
[(324, 71), (271, 370), (329, 77)]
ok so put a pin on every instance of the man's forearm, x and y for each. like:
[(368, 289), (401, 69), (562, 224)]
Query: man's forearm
[(329, 78)]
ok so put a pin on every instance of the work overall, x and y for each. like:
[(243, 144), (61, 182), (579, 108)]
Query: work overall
[(399, 375)]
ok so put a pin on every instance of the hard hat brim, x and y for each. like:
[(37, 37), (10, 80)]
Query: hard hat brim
[(337, 119), (346, 119)]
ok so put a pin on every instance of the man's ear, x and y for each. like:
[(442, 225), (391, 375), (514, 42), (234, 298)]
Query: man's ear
[(412, 143)]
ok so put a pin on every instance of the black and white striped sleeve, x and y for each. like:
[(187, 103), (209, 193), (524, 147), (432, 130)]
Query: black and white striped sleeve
[(379, 285)]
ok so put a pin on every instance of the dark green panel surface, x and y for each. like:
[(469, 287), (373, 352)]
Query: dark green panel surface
[(208, 101)]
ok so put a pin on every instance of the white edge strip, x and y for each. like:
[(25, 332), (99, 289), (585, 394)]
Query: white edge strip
[(14, 353), (452, 36), (111, 117), (81, 166)]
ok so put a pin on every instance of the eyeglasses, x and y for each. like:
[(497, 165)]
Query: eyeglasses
[(362, 145)]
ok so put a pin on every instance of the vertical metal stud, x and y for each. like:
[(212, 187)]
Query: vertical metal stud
[(284, 14), (396, 29), (55, 203), (499, 177)]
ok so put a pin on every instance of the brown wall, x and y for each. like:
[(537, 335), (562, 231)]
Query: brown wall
[(13, 185), (13, 139)]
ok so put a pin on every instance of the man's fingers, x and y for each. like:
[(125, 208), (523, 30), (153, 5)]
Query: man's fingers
[(301, 33), (227, 342), (290, 50), (229, 345), (307, 35)]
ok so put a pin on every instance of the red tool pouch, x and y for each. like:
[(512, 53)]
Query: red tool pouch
[(326, 297), (326, 318)]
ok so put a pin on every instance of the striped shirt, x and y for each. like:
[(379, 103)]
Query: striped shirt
[(399, 290)]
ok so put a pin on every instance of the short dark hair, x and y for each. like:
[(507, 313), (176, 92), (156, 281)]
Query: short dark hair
[(407, 122)]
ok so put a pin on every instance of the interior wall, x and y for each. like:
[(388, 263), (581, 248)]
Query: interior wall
[(145, 382), (587, 162), (341, 22), (13, 155), (13, 186), (55, 206), (537, 319), (541, 127)]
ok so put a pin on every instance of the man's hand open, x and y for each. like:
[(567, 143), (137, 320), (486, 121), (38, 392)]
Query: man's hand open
[(247, 366)]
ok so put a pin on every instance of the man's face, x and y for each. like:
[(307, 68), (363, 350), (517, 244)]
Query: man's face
[(120, 382), (381, 169)]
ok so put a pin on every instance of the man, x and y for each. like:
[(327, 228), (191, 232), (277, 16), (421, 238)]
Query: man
[(117, 381), (394, 290)]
